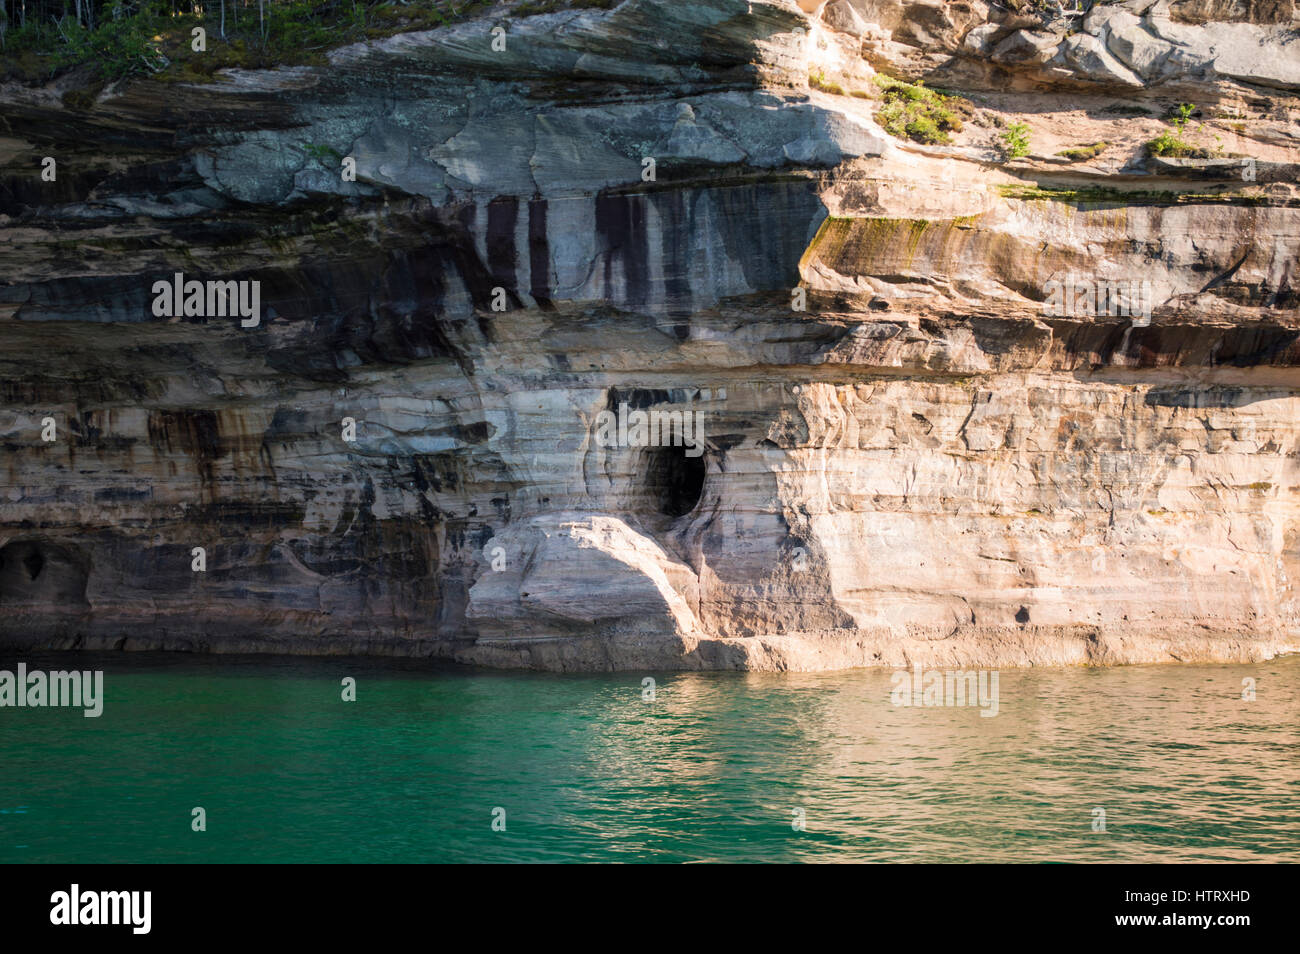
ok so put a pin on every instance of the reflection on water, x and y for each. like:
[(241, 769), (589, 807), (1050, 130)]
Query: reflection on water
[(712, 770)]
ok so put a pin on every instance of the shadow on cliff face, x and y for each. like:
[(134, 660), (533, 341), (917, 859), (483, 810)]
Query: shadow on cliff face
[(673, 251), (1198, 397), (37, 573)]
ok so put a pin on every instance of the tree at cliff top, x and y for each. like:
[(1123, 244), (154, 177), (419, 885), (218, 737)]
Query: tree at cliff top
[(118, 38)]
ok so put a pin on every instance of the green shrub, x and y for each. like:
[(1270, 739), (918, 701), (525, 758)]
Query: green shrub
[(1015, 141), (325, 155), (1180, 114), (914, 111), (924, 129), (1172, 144)]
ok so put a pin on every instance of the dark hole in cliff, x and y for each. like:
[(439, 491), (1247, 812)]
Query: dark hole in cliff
[(36, 572), (674, 482), (34, 563), (1022, 616)]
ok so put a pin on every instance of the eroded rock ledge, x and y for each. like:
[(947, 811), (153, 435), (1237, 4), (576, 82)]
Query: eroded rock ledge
[(923, 465)]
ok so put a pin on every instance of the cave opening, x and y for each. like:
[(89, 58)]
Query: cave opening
[(34, 563), (36, 572), (674, 481)]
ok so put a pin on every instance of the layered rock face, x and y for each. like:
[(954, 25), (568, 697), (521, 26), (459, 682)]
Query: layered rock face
[(894, 420)]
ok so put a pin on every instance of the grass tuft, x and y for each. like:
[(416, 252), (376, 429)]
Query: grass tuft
[(1084, 153)]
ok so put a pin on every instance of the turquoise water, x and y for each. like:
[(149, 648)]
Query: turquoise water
[(711, 770)]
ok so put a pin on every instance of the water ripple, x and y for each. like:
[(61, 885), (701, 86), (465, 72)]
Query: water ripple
[(716, 768)]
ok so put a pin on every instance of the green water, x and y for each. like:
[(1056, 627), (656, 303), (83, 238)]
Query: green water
[(711, 770)]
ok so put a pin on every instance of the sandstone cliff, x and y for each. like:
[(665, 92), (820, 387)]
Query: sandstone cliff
[(927, 461)]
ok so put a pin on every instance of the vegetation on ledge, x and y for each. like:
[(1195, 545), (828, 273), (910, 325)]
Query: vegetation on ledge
[(1171, 143), (1084, 153), (913, 111), (1105, 196), (1015, 141), (817, 80)]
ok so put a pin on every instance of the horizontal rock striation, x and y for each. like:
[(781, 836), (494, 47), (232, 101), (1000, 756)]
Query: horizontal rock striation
[(907, 446)]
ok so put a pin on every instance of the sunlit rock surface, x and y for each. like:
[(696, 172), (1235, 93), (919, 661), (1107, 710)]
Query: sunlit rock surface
[(925, 464)]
